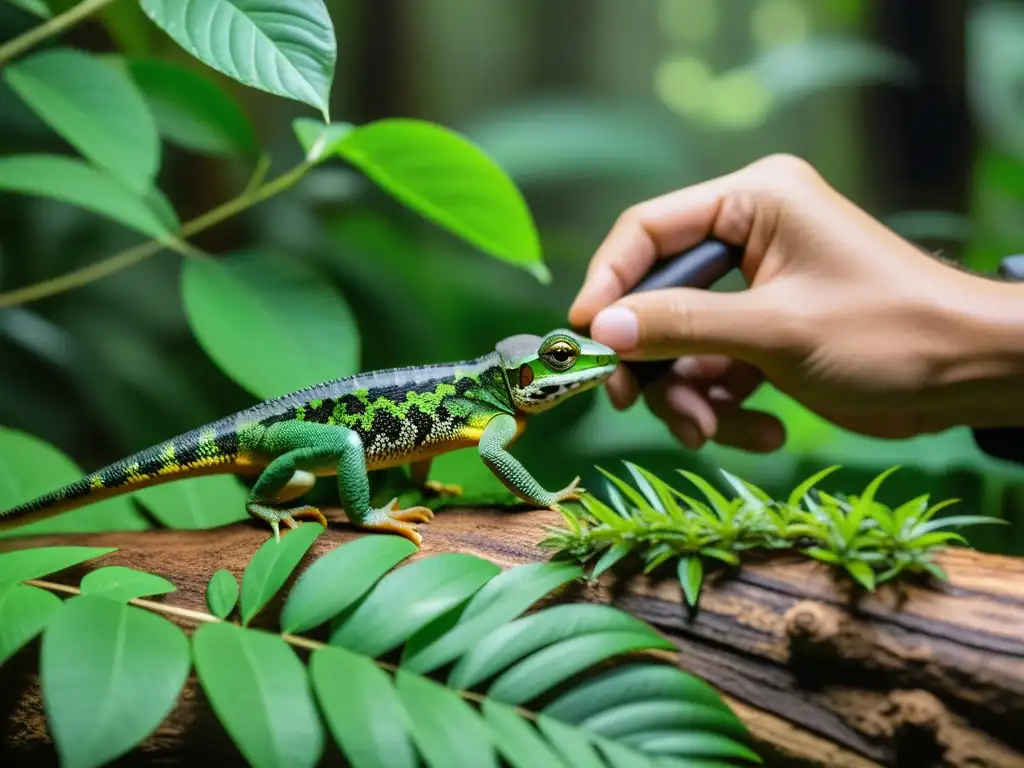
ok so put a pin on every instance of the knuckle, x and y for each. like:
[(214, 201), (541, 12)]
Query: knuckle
[(787, 166)]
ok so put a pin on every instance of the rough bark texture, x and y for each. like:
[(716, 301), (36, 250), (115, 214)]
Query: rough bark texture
[(915, 676)]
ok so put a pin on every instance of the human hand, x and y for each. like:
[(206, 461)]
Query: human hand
[(841, 314)]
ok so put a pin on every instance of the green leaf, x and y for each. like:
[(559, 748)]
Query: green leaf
[(499, 601), (24, 613), (632, 683), (691, 576), (719, 503), (611, 556), (957, 521), (271, 566), (116, 582), (261, 694), (320, 140), (545, 669), (447, 179), (664, 715), (603, 513), (274, 325), (572, 743), (35, 7), (338, 579), (193, 112), (862, 572), (796, 497), (284, 47), (697, 744), (196, 503), (825, 555), (410, 598), (935, 570), (364, 715), (447, 730), (528, 634), (222, 593), (96, 107), (110, 675), (635, 497), (75, 182), (36, 562), (517, 740)]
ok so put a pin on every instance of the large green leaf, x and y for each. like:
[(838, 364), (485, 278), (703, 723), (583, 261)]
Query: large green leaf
[(522, 637), (542, 671), (284, 47), (222, 593), (500, 600), (271, 566), (35, 7), (339, 578), (365, 715), (96, 107), (116, 582), (411, 597), (197, 502), (24, 613), (30, 467), (274, 325), (518, 741), (449, 180), (110, 675), (449, 733), (36, 562), (73, 181), (193, 112), (260, 691)]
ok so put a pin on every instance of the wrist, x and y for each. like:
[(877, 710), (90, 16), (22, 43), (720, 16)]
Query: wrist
[(981, 373)]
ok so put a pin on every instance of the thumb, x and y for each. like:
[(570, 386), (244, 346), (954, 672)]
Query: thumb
[(670, 323)]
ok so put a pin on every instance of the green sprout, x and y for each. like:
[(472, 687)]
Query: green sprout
[(871, 542)]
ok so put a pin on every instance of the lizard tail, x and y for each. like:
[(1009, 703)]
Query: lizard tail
[(203, 451)]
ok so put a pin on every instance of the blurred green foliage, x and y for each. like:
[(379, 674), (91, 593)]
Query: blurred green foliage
[(587, 114)]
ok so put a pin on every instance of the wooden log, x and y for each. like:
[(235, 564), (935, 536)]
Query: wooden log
[(929, 675)]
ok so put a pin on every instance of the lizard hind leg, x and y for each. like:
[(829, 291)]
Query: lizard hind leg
[(419, 470), (280, 482)]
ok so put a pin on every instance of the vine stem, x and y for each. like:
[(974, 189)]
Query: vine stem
[(137, 253), (200, 617), (49, 28)]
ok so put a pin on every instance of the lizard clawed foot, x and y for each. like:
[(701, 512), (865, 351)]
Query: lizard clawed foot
[(276, 517), (391, 519), (571, 492), (442, 489)]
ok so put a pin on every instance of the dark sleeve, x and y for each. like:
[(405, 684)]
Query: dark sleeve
[(1005, 443)]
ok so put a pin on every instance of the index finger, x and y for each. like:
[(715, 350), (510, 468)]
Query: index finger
[(652, 230)]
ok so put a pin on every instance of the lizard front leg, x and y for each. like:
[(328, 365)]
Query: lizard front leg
[(305, 449), (420, 470), (498, 434)]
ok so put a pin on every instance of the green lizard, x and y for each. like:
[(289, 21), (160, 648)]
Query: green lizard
[(361, 423)]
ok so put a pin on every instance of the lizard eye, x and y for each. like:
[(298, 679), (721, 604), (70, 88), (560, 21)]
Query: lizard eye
[(560, 357)]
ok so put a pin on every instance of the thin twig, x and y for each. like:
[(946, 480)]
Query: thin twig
[(297, 641), (137, 253), (49, 28)]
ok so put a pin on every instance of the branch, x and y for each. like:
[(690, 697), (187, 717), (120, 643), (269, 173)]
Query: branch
[(137, 253), (52, 27)]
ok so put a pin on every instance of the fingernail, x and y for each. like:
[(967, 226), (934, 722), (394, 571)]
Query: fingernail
[(617, 327), (689, 435), (767, 437), (686, 367)]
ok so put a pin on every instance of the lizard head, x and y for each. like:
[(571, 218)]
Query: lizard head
[(542, 371)]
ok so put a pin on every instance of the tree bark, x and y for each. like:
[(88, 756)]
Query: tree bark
[(915, 675)]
